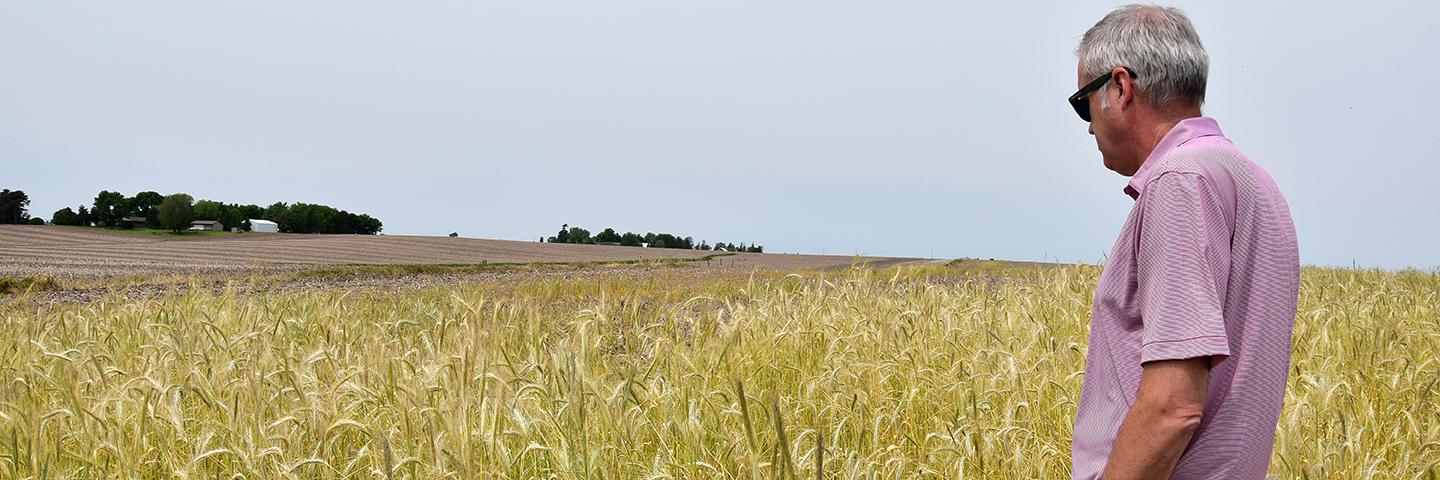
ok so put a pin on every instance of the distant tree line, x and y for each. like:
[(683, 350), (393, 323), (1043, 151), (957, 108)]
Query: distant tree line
[(569, 234), (15, 208), (175, 212)]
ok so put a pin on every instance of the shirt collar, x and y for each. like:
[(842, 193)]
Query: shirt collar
[(1184, 131)]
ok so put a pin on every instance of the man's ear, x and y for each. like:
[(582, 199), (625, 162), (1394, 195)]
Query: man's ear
[(1122, 92)]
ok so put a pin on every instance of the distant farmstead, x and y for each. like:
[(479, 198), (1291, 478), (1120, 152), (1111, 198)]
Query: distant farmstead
[(211, 225), (264, 226)]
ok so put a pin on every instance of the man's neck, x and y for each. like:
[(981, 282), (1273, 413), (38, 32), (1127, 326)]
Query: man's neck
[(1161, 127)]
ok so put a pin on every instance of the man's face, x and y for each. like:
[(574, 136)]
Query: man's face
[(1102, 125)]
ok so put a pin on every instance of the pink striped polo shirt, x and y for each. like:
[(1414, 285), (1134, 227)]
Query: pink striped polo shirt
[(1206, 266)]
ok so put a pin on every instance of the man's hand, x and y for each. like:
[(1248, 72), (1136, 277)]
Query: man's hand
[(1166, 412)]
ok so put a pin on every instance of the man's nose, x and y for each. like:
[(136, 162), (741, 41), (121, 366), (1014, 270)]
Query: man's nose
[(1092, 128)]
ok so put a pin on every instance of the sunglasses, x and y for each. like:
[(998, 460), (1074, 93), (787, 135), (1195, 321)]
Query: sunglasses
[(1081, 99)]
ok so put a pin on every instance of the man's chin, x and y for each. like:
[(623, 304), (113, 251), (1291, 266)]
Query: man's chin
[(1109, 165)]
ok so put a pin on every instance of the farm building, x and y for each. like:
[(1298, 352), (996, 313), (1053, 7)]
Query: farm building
[(207, 225), (132, 222), (263, 226)]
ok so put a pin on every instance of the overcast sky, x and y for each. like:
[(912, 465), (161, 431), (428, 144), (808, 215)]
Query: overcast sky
[(881, 128)]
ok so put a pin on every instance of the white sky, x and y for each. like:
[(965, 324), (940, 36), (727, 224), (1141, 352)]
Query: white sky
[(882, 128)]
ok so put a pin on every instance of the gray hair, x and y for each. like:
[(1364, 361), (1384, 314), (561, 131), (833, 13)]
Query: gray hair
[(1158, 44)]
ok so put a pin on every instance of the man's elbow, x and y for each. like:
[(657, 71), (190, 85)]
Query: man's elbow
[(1182, 415), (1173, 393)]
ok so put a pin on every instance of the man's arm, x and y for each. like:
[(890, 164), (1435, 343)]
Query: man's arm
[(1158, 427)]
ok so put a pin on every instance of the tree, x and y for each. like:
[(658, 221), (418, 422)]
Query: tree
[(276, 212), (563, 236), (298, 219), (241, 215), (607, 236), (65, 216), (369, 225), (349, 223), (570, 234), (579, 235), (13, 206), (237, 216), (147, 204), (37, 221), (341, 222), (323, 218), (231, 217), (110, 207), (311, 218), (666, 240), (176, 212), (207, 210), (250, 211), (84, 217)]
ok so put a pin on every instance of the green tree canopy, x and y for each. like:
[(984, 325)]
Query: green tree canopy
[(247, 212), (65, 216), (110, 207), (207, 210), (13, 207), (176, 212), (147, 204), (569, 234), (563, 236), (276, 212), (579, 235), (607, 236)]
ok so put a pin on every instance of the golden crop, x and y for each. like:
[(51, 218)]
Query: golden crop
[(931, 373)]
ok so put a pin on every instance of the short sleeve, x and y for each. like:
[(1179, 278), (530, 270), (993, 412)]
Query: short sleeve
[(1176, 265)]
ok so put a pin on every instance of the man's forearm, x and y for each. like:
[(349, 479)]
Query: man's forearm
[(1158, 427), (1150, 442)]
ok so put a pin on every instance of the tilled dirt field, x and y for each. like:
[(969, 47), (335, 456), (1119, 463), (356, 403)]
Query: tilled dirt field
[(80, 252)]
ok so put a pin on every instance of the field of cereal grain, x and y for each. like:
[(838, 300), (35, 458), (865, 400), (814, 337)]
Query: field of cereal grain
[(938, 372)]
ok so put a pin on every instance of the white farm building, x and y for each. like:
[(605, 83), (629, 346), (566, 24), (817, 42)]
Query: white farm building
[(263, 226)]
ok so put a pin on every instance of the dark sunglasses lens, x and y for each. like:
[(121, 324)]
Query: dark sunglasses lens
[(1082, 108)]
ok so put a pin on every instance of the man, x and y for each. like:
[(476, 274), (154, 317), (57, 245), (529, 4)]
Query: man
[(1190, 329)]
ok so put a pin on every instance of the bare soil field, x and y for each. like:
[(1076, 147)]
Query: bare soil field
[(81, 252)]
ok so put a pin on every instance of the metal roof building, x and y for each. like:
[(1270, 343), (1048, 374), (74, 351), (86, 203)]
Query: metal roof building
[(264, 226)]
